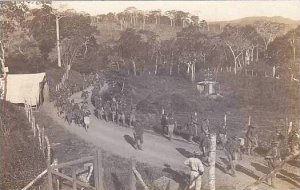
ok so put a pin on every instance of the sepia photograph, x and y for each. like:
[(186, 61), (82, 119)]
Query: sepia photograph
[(150, 95)]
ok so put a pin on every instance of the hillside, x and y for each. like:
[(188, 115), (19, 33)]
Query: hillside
[(251, 20)]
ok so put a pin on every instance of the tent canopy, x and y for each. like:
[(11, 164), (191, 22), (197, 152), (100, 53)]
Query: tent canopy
[(24, 88)]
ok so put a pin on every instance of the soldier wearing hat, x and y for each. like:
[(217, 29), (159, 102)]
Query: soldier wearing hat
[(251, 139), (231, 149), (293, 141), (273, 158), (197, 169), (138, 135)]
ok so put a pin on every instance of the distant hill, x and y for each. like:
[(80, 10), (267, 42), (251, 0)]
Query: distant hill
[(111, 31), (291, 24)]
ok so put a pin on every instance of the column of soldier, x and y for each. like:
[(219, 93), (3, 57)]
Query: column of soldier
[(72, 112), (233, 146)]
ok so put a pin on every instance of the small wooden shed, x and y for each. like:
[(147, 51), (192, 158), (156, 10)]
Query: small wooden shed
[(207, 87)]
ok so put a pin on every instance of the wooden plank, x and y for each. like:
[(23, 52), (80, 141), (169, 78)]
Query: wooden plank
[(50, 182), (71, 180), (132, 176), (35, 180), (140, 179), (73, 162), (212, 162), (74, 185), (96, 173), (99, 170)]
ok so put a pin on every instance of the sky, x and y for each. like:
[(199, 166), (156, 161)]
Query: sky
[(208, 10)]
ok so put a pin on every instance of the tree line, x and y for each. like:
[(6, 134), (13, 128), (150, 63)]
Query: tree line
[(29, 40)]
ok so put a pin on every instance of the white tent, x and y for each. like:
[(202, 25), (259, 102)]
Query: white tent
[(25, 88)]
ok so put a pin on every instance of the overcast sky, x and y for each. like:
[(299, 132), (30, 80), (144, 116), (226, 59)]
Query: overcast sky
[(209, 10)]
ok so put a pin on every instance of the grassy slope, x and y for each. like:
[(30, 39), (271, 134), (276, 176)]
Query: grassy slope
[(20, 159), (268, 101)]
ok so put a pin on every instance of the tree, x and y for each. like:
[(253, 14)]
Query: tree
[(13, 19), (269, 31), (133, 46), (171, 15), (293, 38), (236, 40), (42, 27)]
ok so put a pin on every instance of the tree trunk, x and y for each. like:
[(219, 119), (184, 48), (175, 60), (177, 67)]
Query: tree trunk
[(257, 54), (252, 53), (57, 40), (294, 53), (134, 67), (156, 66)]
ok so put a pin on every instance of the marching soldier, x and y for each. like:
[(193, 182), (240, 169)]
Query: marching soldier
[(231, 151), (138, 135), (223, 134), (251, 139), (204, 135), (113, 110), (132, 117), (197, 169), (293, 141), (171, 125), (273, 158), (192, 126), (106, 111), (164, 123), (100, 113)]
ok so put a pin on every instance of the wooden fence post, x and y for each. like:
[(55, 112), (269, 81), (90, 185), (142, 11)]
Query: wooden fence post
[(212, 162), (50, 180), (249, 120), (33, 125), (48, 150), (132, 176), (39, 136), (99, 182), (225, 119), (74, 185), (43, 139)]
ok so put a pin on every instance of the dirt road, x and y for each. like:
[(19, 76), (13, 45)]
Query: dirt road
[(158, 151)]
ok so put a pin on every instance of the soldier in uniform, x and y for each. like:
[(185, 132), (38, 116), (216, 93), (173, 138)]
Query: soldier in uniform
[(223, 134), (164, 123), (203, 137), (171, 125), (273, 158), (293, 142), (100, 113), (251, 139), (197, 169), (138, 135), (132, 117), (113, 110), (106, 111), (231, 149)]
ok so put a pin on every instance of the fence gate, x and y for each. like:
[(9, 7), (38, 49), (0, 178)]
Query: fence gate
[(95, 164)]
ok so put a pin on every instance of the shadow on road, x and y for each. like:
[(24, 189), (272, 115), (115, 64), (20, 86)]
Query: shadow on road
[(246, 171), (260, 167), (295, 163), (184, 152), (129, 140), (118, 185), (178, 176)]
